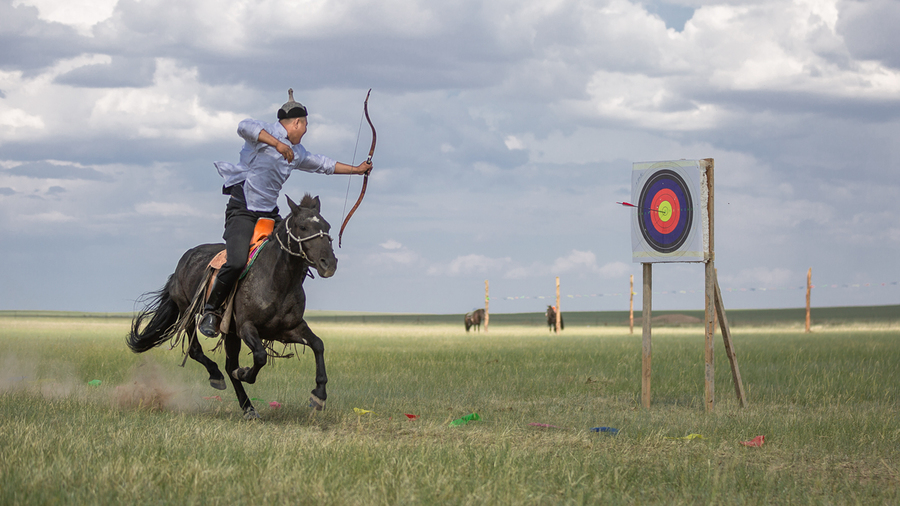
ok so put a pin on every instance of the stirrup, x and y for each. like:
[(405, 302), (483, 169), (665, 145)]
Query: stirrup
[(209, 325)]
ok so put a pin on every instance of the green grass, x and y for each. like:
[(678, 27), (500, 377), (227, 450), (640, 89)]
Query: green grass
[(827, 403)]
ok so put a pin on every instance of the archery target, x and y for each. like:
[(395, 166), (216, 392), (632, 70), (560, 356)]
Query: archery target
[(669, 222)]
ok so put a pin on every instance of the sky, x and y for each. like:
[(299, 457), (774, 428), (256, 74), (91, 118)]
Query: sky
[(507, 130)]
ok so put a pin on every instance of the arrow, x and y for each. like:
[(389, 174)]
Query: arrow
[(626, 204)]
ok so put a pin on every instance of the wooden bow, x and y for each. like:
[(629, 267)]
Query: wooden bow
[(362, 193)]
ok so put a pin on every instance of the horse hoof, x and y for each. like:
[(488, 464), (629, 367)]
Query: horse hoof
[(316, 403), (218, 384), (251, 414)]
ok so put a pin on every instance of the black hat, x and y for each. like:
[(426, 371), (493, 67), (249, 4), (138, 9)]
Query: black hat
[(291, 108)]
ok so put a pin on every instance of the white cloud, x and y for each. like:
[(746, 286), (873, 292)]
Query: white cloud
[(80, 14), (171, 108), (469, 264), (575, 261), (614, 270), (391, 244), (513, 143), (49, 217)]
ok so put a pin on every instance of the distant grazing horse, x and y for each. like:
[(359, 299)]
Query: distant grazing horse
[(268, 305), (474, 319), (551, 319)]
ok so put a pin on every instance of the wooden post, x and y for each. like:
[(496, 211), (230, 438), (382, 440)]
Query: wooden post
[(710, 306), (808, 290), (709, 351), (729, 345), (558, 316), (645, 340), (631, 306), (487, 304)]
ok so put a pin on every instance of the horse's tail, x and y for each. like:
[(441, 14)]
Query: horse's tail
[(162, 313)]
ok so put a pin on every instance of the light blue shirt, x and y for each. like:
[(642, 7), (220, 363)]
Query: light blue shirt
[(263, 170)]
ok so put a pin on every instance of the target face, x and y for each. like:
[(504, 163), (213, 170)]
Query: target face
[(669, 214), (666, 211)]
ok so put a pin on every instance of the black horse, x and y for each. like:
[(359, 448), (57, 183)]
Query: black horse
[(474, 319), (551, 319), (268, 305)]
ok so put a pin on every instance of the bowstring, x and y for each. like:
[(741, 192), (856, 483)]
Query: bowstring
[(353, 162)]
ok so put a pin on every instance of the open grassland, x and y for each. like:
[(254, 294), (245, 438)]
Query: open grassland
[(154, 433)]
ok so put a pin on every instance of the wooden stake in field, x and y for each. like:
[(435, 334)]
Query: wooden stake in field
[(715, 308), (631, 306), (710, 298), (487, 304), (645, 338), (558, 317), (808, 290)]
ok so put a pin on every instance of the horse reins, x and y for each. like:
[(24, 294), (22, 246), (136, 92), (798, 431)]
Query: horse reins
[(298, 240)]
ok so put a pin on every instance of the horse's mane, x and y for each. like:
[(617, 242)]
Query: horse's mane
[(307, 201)]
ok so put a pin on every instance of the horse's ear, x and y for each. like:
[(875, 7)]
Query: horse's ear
[(295, 209), (317, 205)]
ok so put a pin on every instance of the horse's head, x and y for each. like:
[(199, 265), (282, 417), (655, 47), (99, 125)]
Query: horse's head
[(307, 227)]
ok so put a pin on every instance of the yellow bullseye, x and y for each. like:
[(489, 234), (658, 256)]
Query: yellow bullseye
[(665, 210)]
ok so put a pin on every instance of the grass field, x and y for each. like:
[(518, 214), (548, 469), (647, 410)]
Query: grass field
[(153, 433)]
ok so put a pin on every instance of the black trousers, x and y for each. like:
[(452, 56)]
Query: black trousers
[(239, 225)]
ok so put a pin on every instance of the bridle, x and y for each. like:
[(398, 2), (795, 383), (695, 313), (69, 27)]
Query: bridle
[(298, 240)]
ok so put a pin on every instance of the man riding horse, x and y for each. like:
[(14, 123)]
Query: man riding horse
[(271, 151)]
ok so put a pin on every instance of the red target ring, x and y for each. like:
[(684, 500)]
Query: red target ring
[(666, 211)]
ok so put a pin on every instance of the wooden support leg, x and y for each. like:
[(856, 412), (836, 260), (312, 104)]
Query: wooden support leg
[(729, 346), (645, 320), (710, 330)]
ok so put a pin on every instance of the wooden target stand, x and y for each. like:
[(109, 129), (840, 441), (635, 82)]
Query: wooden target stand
[(714, 310)]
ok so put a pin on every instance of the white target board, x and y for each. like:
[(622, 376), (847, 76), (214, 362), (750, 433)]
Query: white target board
[(670, 217)]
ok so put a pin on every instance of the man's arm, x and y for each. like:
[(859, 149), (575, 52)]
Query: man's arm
[(343, 168), (284, 149)]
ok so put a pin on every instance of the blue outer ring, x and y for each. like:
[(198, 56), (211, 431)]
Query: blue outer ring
[(665, 243)]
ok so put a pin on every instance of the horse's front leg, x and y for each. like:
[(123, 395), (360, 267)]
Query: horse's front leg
[(250, 336), (317, 400), (232, 354)]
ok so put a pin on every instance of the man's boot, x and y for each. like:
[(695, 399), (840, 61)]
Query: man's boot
[(209, 324)]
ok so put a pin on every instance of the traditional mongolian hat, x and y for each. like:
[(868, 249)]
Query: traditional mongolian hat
[(292, 108)]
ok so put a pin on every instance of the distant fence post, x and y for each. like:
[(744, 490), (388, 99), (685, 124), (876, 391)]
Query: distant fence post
[(631, 306), (808, 290), (487, 304)]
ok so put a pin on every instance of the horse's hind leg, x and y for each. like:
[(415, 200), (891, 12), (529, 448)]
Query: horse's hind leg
[(232, 353), (317, 400), (195, 351)]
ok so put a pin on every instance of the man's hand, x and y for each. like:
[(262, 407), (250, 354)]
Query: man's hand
[(285, 151), (363, 168)]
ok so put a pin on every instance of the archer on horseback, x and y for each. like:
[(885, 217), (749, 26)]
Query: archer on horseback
[(271, 151)]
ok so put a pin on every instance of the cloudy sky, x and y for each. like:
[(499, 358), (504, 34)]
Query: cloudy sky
[(507, 130)]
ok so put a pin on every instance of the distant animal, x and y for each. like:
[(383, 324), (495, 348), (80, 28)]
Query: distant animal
[(551, 319), (474, 319), (268, 304)]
